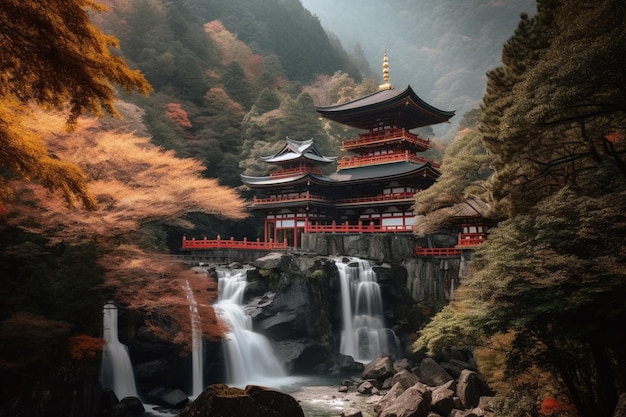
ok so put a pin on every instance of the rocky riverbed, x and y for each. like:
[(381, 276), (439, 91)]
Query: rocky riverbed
[(327, 401)]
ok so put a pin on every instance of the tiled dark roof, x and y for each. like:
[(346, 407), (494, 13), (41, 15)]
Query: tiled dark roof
[(346, 176), (402, 107)]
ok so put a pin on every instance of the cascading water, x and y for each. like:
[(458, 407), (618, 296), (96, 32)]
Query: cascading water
[(196, 343), (364, 335), (117, 371), (249, 355)]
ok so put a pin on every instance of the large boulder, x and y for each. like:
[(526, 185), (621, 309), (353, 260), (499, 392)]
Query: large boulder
[(469, 388), (254, 401), (413, 402), (406, 378), (432, 374), (389, 399), (380, 368), (442, 401)]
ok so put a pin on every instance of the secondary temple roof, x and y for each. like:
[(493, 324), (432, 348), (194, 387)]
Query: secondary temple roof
[(347, 176), (388, 107), (294, 150)]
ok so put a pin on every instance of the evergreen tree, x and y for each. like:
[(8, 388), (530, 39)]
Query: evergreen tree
[(550, 276)]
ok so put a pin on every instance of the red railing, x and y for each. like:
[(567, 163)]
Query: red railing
[(354, 228), (471, 239), (302, 169), (384, 136), (307, 196), (356, 161), (437, 252), (232, 244)]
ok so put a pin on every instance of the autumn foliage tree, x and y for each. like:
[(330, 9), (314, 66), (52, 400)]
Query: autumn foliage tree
[(134, 183), (53, 56), (137, 185)]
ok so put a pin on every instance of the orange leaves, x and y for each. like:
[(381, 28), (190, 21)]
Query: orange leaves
[(615, 137), (53, 56), (133, 181), (153, 285), (214, 26), (83, 346), (551, 406), (178, 115), (233, 49)]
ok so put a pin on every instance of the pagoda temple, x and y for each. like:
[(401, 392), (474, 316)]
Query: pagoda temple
[(373, 187)]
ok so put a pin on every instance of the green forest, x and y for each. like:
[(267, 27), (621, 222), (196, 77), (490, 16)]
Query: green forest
[(105, 106)]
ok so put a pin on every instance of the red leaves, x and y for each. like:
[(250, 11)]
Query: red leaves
[(179, 116), (83, 346), (551, 406)]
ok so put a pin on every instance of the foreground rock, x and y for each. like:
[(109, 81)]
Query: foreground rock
[(253, 401), (423, 390)]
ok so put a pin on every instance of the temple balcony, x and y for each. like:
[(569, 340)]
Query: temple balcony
[(385, 137), (307, 196), (470, 240), (397, 197), (358, 161), (287, 172)]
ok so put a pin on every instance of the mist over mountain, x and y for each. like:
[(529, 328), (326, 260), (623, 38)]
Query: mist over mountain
[(441, 48)]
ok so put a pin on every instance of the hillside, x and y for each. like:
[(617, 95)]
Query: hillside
[(443, 48), (233, 79)]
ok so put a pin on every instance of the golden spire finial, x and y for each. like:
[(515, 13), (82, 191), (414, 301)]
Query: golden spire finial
[(385, 85)]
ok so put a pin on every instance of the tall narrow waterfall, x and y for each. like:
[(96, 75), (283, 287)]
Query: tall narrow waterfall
[(364, 335), (196, 343), (249, 355), (117, 371)]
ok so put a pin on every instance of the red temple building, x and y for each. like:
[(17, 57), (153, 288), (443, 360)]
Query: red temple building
[(373, 187)]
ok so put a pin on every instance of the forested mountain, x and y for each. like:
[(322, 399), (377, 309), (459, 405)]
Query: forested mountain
[(218, 67), (232, 79), (441, 48)]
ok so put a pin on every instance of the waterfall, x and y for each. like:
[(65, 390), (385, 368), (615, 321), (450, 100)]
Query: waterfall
[(196, 343), (250, 358), (117, 371), (364, 335)]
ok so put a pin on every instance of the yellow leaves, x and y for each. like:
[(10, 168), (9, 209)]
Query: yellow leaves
[(53, 56), (24, 153)]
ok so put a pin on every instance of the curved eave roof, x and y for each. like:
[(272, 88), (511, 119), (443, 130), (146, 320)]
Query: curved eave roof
[(294, 150), (394, 170), (292, 156), (405, 107), (267, 181)]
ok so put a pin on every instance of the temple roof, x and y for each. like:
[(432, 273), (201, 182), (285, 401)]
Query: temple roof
[(296, 149), (387, 171), (387, 107), (347, 176)]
